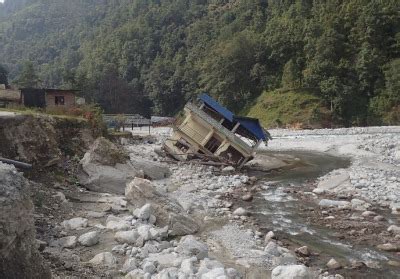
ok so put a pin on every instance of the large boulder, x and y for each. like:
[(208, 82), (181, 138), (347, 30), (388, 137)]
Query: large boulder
[(107, 168), (168, 211), (19, 257), (189, 246), (291, 272)]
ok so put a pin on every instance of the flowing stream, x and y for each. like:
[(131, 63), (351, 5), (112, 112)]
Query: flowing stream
[(277, 210)]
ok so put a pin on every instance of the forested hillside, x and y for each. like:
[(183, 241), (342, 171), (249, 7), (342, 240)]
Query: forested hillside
[(130, 55)]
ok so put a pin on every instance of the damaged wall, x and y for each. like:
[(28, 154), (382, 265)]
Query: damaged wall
[(19, 257), (42, 140)]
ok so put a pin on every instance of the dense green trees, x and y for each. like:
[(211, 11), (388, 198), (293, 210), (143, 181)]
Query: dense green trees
[(130, 54), (27, 77), (3, 75)]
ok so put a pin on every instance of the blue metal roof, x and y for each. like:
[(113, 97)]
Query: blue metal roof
[(252, 125), (227, 114)]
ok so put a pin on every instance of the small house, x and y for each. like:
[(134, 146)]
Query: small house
[(49, 98), (209, 130), (9, 96), (59, 97)]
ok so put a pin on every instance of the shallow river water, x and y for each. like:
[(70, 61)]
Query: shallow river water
[(277, 210)]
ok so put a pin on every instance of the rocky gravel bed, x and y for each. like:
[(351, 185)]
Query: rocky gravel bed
[(374, 174)]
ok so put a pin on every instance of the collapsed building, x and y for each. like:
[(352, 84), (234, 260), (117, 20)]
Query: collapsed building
[(209, 131)]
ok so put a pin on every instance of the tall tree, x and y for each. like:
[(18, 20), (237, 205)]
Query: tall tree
[(28, 77)]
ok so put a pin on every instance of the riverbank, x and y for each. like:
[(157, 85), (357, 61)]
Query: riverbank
[(194, 221)]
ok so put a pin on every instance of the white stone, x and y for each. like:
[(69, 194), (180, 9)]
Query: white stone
[(144, 231), (152, 219), (187, 266), (189, 246), (232, 273), (104, 259), (332, 203), (240, 212), (135, 274), (65, 242), (228, 169), (145, 212), (214, 273), (89, 239), (272, 249), (318, 191), (75, 223), (270, 235), (149, 267), (128, 237), (129, 265), (394, 229), (333, 264), (291, 272), (358, 204)]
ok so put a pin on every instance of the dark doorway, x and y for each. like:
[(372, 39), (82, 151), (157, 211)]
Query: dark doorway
[(213, 144)]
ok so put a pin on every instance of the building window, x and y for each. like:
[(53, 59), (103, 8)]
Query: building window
[(59, 100), (182, 145)]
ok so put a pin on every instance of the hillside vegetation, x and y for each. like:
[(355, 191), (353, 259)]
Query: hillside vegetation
[(291, 108), (133, 55)]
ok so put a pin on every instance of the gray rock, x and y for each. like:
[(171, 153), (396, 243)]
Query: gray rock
[(303, 251), (394, 229), (331, 203), (128, 237), (167, 273), (240, 212), (149, 267), (360, 205), (334, 181), (333, 264), (214, 273), (247, 197), (107, 168), (135, 274), (228, 169), (144, 231), (129, 265), (89, 239), (187, 266), (168, 211), (65, 242), (104, 259), (272, 249), (368, 214), (118, 249), (117, 224), (232, 273), (145, 212), (389, 247), (189, 246), (379, 218), (270, 235), (75, 223), (291, 272), (152, 219)]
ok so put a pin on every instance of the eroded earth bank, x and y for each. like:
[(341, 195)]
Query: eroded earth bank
[(124, 210)]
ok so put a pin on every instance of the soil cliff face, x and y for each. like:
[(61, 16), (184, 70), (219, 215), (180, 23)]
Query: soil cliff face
[(42, 140), (19, 257)]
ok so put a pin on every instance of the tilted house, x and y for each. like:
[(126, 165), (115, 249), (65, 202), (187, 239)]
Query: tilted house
[(210, 130)]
